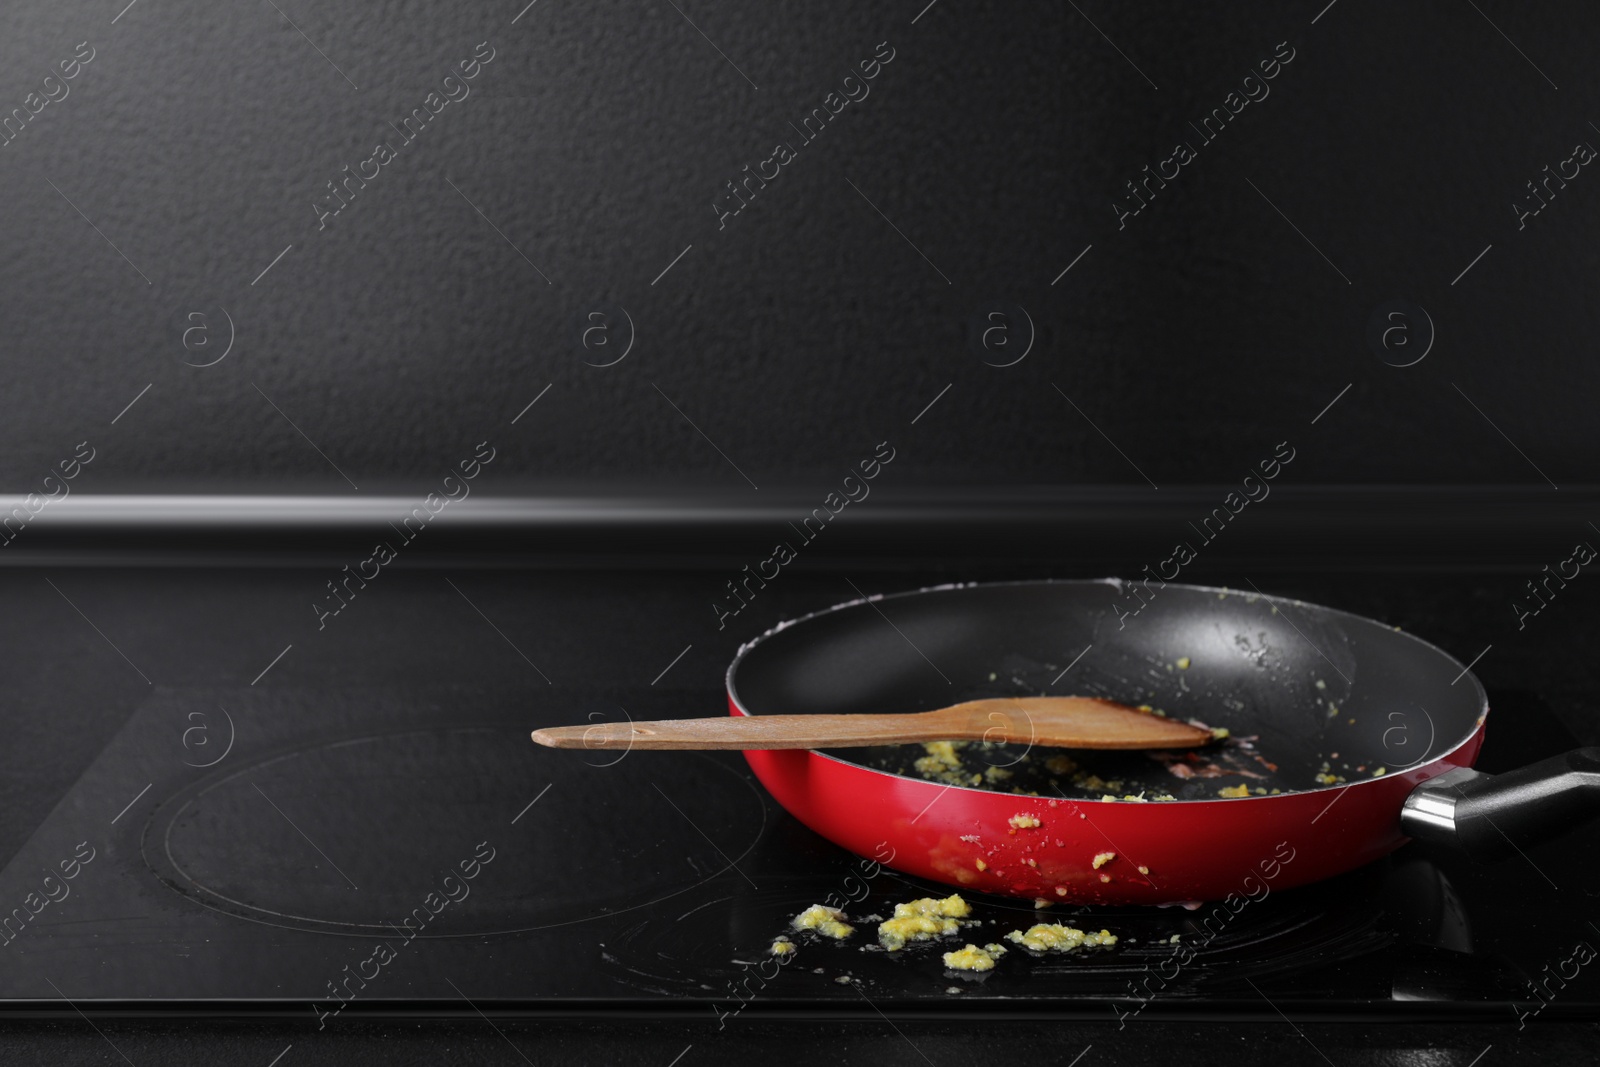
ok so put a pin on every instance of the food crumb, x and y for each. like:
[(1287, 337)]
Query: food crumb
[(1041, 902), (843, 979), (923, 920), (1321, 684), (829, 922), (1240, 790), (973, 958), (952, 990), (1144, 870), (1183, 663), (1379, 771), (1173, 940), (1023, 822), (1054, 937), (782, 947), (1103, 858), (982, 866), (943, 764), (1221, 733)]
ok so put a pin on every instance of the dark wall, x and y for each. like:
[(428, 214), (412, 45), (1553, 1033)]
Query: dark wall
[(831, 311)]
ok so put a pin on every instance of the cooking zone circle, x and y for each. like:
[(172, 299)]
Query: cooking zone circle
[(289, 841)]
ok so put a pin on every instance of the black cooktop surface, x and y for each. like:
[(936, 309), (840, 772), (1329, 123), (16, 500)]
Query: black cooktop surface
[(367, 825)]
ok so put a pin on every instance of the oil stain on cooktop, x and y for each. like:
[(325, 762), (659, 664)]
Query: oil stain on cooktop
[(348, 837)]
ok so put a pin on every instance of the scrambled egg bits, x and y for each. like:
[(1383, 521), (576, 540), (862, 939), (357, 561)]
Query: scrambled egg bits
[(941, 756), (923, 920), (829, 922), (973, 958), (1053, 937)]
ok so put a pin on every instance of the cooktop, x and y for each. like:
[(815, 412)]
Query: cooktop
[(355, 838)]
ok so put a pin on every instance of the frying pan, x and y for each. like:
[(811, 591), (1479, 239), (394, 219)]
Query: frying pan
[(1349, 735)]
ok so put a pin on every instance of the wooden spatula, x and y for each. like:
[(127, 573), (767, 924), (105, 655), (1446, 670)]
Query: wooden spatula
[(1057, 722)]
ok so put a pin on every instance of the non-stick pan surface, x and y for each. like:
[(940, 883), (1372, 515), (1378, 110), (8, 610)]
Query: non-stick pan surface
[(1306, 691)]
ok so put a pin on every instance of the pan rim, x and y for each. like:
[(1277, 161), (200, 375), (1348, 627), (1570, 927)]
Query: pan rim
[(786, 624)]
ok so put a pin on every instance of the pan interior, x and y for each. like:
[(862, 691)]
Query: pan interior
[(1305, 691)]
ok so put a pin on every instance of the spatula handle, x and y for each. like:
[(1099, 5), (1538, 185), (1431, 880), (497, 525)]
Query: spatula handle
[(757, 732)]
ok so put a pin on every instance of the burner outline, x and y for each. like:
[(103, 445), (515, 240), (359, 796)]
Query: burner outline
[(204, 896)]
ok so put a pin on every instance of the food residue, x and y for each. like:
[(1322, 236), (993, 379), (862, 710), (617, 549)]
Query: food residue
[(1183, 663), (829, 922), (1053, 937), (782, 947), (1240, 790), (1103, 858), (923, 920), (1126, 777), (1023, 822), (973, 958), (1325, 775), (941, 761)]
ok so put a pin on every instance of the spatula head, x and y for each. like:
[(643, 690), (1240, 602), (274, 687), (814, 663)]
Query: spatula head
[(1079, 722)]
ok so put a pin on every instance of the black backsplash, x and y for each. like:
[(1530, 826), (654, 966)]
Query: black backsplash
[(583, 170)]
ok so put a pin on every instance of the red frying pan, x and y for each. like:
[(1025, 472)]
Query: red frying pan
[(1348, 738)]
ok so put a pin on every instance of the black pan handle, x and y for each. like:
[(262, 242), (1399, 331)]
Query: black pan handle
[(1490, 816)]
